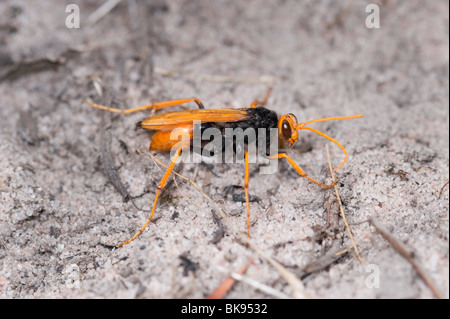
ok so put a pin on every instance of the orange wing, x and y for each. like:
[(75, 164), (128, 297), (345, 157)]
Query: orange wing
[(162, 120)]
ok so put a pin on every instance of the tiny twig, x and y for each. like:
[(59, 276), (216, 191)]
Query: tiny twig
[(96, 81), (182, 194), (101, 11), (226, 285), (256, 284), (332, 255), (3, 243), (341, 209), (442, 190), (405, 253), (56, 219), (218, 234), (107, 162), (400, 173), (106, 156)]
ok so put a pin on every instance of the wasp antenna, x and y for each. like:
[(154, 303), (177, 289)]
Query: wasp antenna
[(332, 140), (357, 116)]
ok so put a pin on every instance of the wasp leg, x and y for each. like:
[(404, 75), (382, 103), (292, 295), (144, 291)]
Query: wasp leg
[(263, 102), (298, 169), (154, 106), (160, 187), (247, 201)]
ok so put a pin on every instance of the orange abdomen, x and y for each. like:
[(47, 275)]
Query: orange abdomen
[(165, 139)]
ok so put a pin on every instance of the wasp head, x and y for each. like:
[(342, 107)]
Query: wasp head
[(287, 128)]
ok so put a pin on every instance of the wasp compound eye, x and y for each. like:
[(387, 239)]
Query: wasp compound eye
[(286, 130)]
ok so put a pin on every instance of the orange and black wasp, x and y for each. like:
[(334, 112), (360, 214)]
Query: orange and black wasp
[(256, 116)]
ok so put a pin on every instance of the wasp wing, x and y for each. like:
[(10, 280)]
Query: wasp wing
[(163, 120)]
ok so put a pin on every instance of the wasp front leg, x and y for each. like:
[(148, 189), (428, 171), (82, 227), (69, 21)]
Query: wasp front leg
[(159, 188), (299, 169)]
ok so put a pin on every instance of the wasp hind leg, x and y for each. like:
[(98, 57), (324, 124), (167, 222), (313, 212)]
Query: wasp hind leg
[(247, 201), (154, 106), (160, 187)]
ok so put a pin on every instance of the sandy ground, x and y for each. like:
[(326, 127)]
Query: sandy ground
[(60, 216)]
